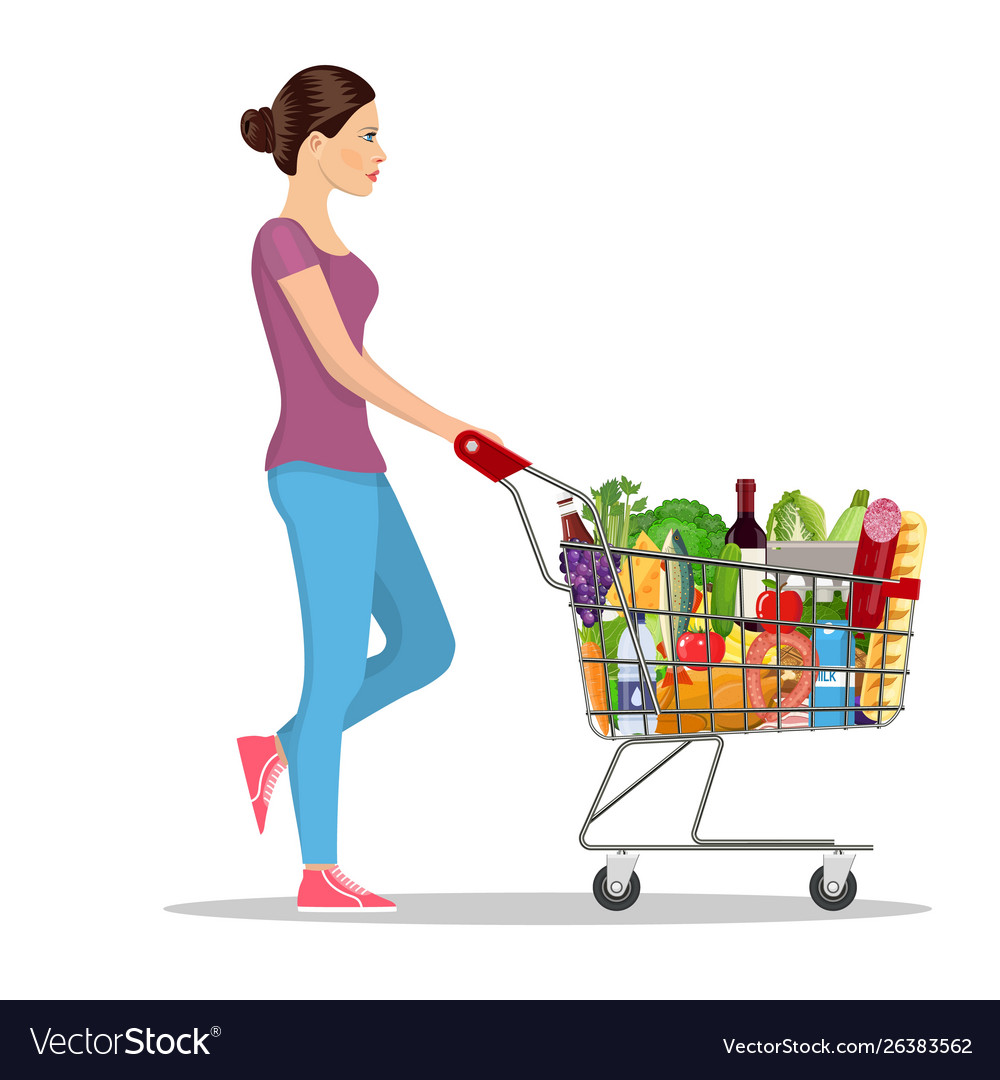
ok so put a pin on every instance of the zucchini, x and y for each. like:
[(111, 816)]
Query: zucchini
[(724, 590), (849, 523)]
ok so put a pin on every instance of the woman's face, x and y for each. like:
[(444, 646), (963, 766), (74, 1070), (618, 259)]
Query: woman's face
[(351, 159)]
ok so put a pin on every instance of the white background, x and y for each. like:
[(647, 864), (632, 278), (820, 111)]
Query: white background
[(683, 242)]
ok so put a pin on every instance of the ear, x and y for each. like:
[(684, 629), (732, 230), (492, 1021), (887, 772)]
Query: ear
[(315, 142)]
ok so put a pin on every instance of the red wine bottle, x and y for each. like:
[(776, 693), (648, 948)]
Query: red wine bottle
[(753, 549)]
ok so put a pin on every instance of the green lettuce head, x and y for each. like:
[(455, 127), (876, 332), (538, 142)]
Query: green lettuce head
[(794, 517)]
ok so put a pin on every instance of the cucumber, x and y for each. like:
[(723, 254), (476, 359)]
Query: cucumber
[(724, 590)]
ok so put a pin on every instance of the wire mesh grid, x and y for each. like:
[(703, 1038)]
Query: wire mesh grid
[(815, 673)]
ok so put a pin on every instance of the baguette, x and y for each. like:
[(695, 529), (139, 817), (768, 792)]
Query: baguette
[(906, 563)]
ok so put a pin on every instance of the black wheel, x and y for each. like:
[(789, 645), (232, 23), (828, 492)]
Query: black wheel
[(825, 900), (615, 903)]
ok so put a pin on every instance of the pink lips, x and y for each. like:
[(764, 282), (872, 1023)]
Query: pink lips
[(373, 176)]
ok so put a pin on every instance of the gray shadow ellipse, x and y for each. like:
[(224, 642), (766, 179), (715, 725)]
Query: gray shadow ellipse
[(555, 909)]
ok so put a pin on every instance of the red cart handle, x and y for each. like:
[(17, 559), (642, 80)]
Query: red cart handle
[(903, 589), (487, 456)]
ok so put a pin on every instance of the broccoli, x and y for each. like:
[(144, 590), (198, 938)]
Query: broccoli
[(703, 533)]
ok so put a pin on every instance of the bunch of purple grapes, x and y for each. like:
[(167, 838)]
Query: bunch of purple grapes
[(581, 577)]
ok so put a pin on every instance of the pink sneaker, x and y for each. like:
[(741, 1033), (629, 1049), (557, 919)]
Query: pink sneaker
[(262, 767), (332, 890)]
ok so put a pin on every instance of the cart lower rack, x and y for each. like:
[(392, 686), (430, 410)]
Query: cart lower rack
[(805, 677)]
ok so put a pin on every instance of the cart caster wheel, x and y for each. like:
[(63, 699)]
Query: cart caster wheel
[(825, 900), (615, 903)]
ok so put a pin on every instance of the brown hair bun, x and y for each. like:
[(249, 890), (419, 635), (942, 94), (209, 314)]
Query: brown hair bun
[(257, 127)]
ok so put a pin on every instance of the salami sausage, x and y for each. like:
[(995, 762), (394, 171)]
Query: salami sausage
[(876, 550), (755, 654)]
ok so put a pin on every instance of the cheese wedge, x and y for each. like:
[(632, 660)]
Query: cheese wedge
[(645, 571)]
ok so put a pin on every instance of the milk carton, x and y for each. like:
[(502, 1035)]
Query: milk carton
[(830, 686)]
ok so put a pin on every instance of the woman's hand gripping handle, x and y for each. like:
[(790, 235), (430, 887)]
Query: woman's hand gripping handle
[(486, 454)]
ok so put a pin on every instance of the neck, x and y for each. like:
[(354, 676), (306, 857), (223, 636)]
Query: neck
[(307, 202)]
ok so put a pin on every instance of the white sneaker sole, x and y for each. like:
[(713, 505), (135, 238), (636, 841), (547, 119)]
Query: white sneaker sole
[(349, 911)]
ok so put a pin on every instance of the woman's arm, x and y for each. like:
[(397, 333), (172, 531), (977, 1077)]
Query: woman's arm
[(389, 406), (310, 298), (395, 411)]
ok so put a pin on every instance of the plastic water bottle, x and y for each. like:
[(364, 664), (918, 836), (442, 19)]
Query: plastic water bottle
[(632, 694)]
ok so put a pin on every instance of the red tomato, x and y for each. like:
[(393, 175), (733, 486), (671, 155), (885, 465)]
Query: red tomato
[(691, 649), (768, 604)]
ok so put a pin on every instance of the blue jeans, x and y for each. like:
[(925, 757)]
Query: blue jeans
[(355, 557)]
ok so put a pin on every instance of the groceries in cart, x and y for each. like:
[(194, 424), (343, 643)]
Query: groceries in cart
[(740, 628)]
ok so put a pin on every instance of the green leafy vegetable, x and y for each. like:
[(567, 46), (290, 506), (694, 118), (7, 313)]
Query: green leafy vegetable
[(615, 517), (613, 630), (796, 517), (653, 624), (828, 610)]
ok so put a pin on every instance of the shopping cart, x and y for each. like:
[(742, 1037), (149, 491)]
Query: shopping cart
[(669, 711)]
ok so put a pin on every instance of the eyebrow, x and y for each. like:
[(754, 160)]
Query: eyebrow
[(369, 128)]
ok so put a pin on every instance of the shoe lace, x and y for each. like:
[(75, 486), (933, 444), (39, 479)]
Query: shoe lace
[(342, 879), (272, 778)]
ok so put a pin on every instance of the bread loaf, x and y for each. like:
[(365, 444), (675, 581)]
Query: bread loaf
[(892, 647)]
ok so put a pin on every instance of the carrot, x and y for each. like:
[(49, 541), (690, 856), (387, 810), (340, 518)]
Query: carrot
[(596, 689)]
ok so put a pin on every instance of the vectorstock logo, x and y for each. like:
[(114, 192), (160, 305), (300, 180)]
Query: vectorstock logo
[(136, 1040)]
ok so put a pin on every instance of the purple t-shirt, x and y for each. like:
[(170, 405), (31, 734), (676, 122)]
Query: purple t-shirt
[(321, 421)]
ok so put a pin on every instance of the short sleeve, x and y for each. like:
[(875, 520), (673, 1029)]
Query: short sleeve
[(285, 249)]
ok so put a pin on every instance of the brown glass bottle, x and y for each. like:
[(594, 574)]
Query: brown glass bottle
[(573, 527)]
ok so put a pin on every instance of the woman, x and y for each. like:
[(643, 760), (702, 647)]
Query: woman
[(353, 550)]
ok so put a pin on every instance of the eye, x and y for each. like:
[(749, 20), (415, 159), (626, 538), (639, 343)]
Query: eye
[(369, 136)]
